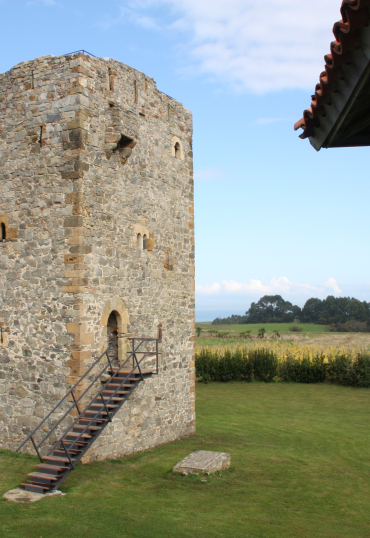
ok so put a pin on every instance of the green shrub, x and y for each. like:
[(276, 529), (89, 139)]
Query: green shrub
[(303, 370), (295, 329), (345, 371), (262, 364), (349, 327), (338, 369), (243, 364)]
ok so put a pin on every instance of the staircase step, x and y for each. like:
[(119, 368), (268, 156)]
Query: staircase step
[(56, 469), (82, 427), (98, 406), (61, 453), (91, 414), (42, 476), (29, 486), (71, 442), (119, 394), (98, 422), (122, 386), (115, 386), (114, 398), (134, 379), (130, 371), (57, 458), (76, 434), (77, 447)]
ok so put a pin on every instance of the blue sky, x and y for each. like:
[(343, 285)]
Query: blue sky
[(272, 215)]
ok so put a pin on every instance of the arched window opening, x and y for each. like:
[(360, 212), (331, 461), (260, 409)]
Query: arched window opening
[(145, 239), (124, 142), (124, 147), (177, 150), (112, 334), (2, 232), (139, 241)]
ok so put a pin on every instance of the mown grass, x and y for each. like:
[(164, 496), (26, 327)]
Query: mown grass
[(300, 467)]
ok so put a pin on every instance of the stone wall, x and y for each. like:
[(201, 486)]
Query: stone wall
[(96, 196)]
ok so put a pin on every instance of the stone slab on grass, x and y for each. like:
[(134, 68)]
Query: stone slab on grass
[(203, 461), (19, 495)]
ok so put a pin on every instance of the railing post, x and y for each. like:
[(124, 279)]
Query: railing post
[(37, 450), (106, 408), (110, 364), (74, 399), (66, 451)]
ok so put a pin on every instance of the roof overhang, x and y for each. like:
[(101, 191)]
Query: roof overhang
[(340, 111)]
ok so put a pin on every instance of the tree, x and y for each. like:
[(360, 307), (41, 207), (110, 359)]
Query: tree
[(261, 332), (199, 330), (312, 310), (272, 309)]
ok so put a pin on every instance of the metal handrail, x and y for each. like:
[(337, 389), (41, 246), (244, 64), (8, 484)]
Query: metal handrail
[(75, 401), (100, 395), (64, 397), (83, 52)]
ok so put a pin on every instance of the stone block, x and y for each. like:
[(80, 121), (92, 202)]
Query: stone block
[(84, 338), (73, 221), (203, 461)]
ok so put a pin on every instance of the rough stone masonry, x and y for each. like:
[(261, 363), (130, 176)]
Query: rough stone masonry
[(97, 239)]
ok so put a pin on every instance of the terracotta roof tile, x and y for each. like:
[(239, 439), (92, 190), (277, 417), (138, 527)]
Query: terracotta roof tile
[(355, 15)]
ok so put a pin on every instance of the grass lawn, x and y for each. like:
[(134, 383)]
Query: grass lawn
[(300, 469)]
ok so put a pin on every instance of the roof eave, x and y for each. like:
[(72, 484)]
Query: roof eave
[(356, 75)]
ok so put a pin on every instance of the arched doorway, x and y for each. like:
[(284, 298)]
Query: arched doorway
[(114, 322)]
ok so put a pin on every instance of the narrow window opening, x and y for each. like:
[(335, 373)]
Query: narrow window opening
[(136, 92), (32, 81), (2, 232), (139, 241), (145, 244), (112, 333), (177, 150), (110, 81), (42, 132)]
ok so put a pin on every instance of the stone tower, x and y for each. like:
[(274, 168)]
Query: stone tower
[(97, 241)]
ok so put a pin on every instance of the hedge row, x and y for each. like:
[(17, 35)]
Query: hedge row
[(262, 364)]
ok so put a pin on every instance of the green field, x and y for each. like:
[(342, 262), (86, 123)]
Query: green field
[(300, 467), (309, 329)]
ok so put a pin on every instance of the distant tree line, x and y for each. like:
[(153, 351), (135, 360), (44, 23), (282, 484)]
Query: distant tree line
[(334, 311)]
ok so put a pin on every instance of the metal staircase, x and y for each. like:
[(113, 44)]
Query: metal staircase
[(72, 437)]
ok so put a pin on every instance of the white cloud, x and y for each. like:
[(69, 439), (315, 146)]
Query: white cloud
[(331, 283), (261, 46), (208, 289), (276, 286)]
